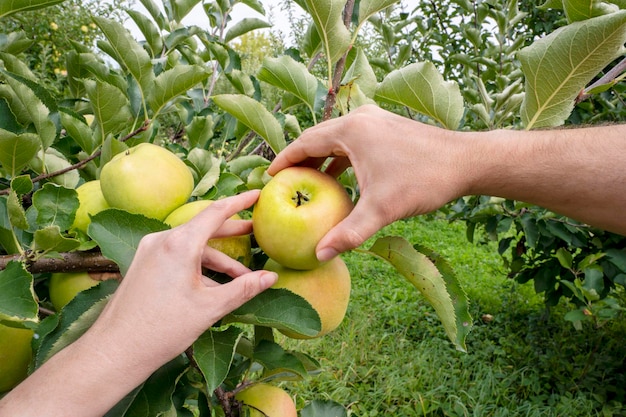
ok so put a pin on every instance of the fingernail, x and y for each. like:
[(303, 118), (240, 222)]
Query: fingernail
[(268, 279), (326, 254)]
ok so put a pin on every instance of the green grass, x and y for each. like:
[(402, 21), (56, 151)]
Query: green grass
[(391, 356)]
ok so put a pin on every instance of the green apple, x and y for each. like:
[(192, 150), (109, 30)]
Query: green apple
[(265, 400), (15, 355), (64, 286), (91, 201), (237, 247), (146, 179), (296, 208), (326, 288)]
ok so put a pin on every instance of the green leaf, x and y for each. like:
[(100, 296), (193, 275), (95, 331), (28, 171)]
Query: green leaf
[(174, 82), (286, 73), (111, 107), (155, 398), (565, 258), (324, 408), (244, 164), (254, 5), (207, 166), (50, 238), (368, 8), (17, 215), (22, 184), (200, 131), (16, 151), (244, 26), (434, 278), (128, 52), (79, 131), (55, 161), (277, 361), (559, 66), (255, 116), (214, 352), (328, 18), (55, 205), (181, 8), (76, 317), (149, 30), (361, 74), (421, 87), (577, 10), (17, 296), (118, 233), (280, 309), (8, 7), (155, 12), (37, 112)]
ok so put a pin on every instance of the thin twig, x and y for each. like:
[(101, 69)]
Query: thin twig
[(83, 162)]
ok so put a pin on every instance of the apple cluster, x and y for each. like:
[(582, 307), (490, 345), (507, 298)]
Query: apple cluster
[(296, 208)]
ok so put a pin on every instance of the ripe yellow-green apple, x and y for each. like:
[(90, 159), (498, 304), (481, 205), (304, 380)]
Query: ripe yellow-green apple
[(237, 247), (265, 400), (295, 209), (326, 288), (146, 179), (15, 355), (63, 286), (91, 201)]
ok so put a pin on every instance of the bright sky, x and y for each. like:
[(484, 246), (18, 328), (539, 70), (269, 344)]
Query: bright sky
[(273, 13)]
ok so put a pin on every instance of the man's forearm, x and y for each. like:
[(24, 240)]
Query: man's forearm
[(579, 173)]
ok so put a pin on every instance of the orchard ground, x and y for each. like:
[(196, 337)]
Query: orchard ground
[(390, 356)]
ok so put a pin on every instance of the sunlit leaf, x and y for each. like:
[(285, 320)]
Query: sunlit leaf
[(255, 116), (422, 88), (558, 67)]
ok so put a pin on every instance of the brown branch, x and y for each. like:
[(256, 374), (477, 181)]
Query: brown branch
[(83, 162), (607, 78), (339, 67), (67, 262)]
